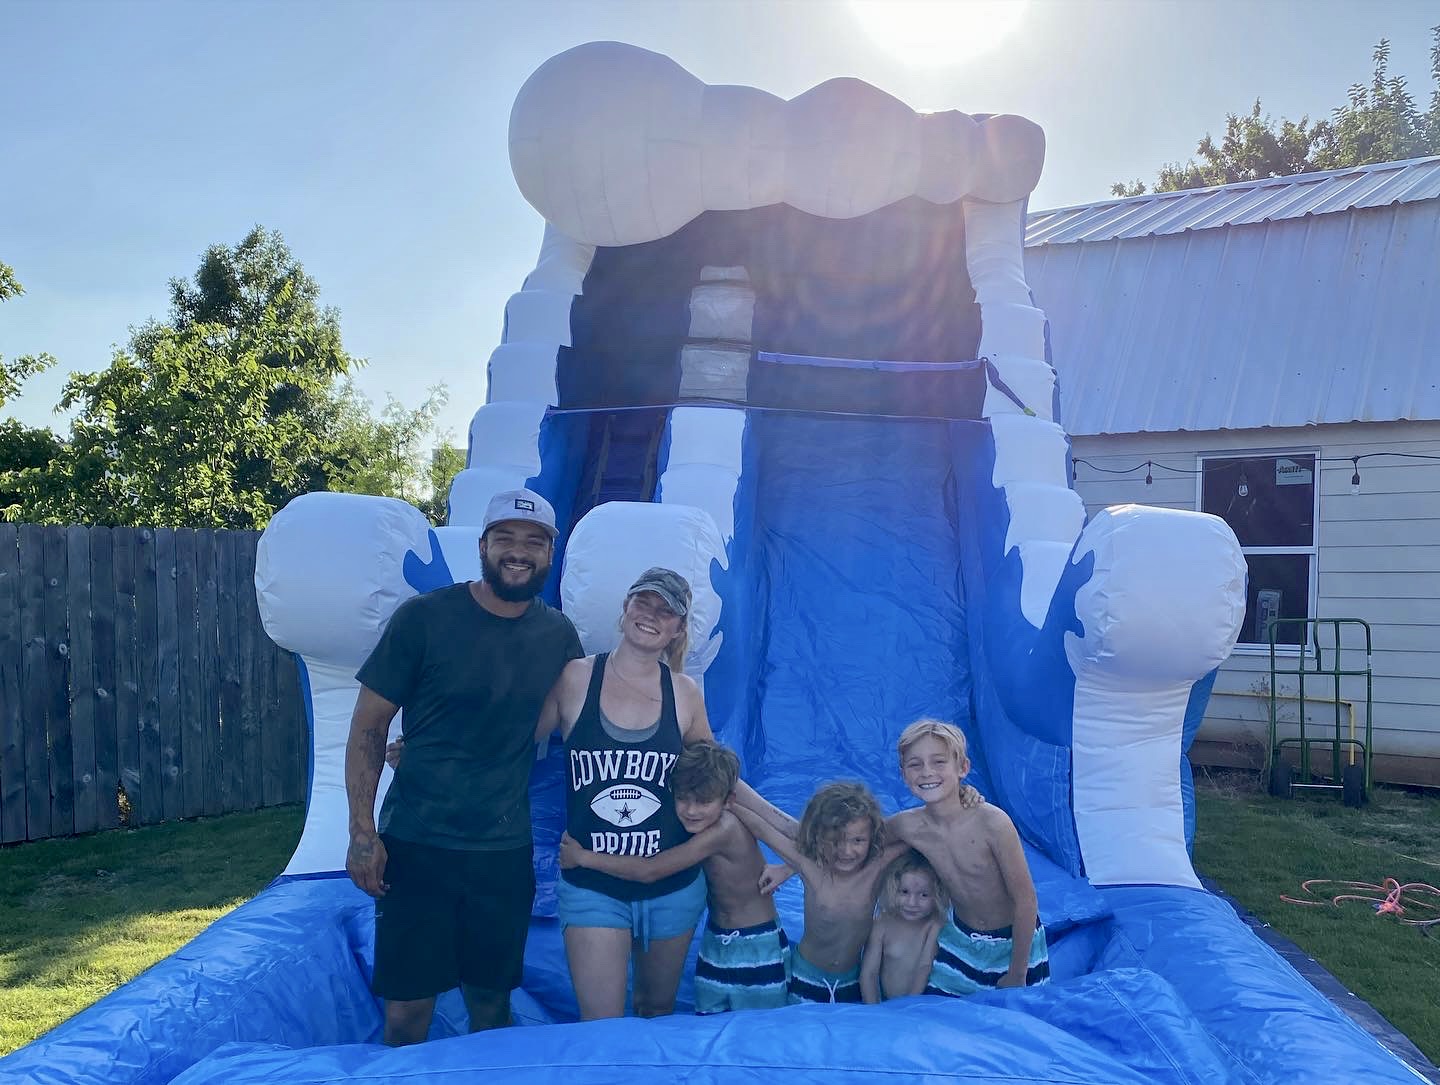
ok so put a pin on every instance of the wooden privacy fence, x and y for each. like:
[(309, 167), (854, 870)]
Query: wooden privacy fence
[(136, 682)]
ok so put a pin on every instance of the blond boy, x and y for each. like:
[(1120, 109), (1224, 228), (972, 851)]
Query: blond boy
[(993, 937)]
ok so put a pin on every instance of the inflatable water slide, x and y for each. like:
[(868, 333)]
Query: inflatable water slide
[(786, 348)]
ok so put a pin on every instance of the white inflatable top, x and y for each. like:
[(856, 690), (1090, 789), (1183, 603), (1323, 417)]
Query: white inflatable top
[(616, 145)]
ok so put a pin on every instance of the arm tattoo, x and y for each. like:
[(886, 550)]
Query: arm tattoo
[(364, 756)]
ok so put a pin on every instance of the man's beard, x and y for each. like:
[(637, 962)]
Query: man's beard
[(513, 593)]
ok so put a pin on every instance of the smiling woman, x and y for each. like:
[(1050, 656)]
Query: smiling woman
[(625, 718), (930, 33)]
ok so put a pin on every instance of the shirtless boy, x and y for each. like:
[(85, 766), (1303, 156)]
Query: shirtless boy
[(994, 937), (744, 961), (901, 950), (839, 851)]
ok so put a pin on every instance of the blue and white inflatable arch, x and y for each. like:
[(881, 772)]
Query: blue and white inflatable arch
[(788, 349)]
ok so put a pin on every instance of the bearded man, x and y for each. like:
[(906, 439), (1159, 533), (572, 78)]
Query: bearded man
[(450, 867)]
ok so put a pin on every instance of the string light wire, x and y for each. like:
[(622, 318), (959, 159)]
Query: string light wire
[(1150, 466)]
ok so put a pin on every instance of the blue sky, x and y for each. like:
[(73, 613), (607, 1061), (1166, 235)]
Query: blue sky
[(373, 136)]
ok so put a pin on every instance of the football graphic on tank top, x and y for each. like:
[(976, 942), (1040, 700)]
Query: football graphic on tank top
[(625, 805)]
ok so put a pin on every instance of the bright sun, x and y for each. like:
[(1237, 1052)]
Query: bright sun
[(934, 32)]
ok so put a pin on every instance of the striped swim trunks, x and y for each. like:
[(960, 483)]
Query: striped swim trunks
[(968, 960), (811, 984), (742, 969)]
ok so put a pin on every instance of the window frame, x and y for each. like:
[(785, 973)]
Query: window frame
[(1243, 648)]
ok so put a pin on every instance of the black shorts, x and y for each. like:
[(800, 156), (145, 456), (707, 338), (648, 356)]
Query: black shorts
[(451, 917)]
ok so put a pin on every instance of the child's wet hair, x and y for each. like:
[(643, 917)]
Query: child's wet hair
[(911, 862), (706, 771), (827, 813), (947, 733)]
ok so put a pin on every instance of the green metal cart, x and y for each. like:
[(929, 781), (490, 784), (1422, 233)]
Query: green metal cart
[(1352, 777)]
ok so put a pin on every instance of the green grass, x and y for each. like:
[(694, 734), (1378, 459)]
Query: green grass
[(81, 916), (1258, 848)]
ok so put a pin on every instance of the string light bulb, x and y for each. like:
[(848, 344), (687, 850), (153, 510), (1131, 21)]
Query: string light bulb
[(1244, 488), (1355, 478), (1148, 478)]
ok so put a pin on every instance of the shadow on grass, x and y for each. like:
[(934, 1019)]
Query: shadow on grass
[(128, 897)]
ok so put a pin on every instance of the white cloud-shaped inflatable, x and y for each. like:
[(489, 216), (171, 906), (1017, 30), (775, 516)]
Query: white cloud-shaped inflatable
[(616, 145)]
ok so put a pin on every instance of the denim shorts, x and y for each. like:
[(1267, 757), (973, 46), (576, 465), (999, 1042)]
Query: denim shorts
[(664, 917)]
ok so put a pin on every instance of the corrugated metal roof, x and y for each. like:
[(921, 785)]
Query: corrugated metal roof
[(1270, 200), (1294, 321)]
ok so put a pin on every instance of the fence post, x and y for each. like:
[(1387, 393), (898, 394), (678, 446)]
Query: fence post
[(147, 661), (167, 676), (12, 730), (252, 641), (82, 678), (208, 626), (230, 761), (57, 685), (102, 653), (33, 682), (127, 676), (192, 776)]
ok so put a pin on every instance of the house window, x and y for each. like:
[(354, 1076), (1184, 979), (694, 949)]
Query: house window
[(1270, 504)]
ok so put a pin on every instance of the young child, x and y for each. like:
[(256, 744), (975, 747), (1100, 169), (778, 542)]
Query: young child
[(840, 852), (744, 961), (901, 949), (993, 937)]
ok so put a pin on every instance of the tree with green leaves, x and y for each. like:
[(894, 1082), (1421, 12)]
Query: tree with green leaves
[(446, 461), (1380, 122), (14, 374), (213, 418), (22, 447), (218, 416), (401, 453)]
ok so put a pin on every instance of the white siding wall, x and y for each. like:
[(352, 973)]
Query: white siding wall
[(1379, 559)]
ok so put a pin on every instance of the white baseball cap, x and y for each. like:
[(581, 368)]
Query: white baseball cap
[(524, 505)]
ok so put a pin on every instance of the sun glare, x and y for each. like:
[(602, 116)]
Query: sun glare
[(930, 33)]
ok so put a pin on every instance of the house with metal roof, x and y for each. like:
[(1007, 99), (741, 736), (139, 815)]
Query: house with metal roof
[(1270, 352)]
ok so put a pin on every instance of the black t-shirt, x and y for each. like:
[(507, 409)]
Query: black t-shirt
[(472, 685)]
